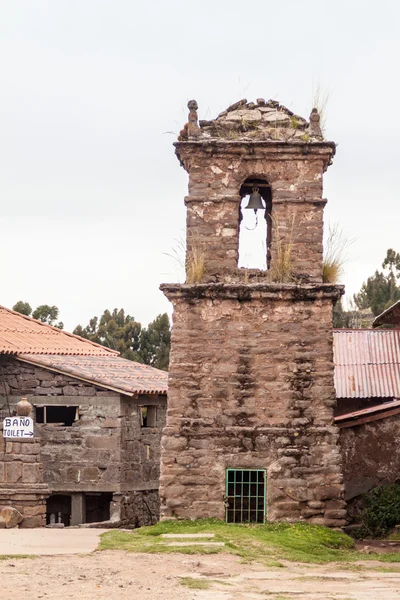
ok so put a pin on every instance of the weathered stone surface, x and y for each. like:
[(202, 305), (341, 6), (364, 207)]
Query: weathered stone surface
[(251, 368), (9, 517)]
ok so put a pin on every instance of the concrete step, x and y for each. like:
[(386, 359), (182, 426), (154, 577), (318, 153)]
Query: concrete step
[(207, 544), (181, 536)]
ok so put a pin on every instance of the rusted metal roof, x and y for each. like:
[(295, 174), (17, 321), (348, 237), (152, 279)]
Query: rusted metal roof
[(390, 316), (22, 334), (367, 363), (111, 372), (367, 415)]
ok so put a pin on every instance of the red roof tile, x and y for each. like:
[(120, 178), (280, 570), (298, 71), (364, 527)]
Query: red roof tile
[(22, 334)]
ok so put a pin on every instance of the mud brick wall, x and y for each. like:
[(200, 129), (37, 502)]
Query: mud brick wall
[(251, 386), (141, 445), (216, 173), (371, 455)]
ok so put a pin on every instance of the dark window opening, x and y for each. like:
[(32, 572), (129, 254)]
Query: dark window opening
[(245, 495), (98, 507), (255, 226), (63, 415), (148, 416), (58, 510)]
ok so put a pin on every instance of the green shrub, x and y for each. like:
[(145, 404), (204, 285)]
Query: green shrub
[(381, 511)]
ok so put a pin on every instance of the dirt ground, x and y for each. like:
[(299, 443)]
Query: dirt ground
[(115, 575)]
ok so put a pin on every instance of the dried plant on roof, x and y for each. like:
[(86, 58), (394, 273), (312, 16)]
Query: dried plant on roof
[(335, 249), (195, 260), (281, 270)]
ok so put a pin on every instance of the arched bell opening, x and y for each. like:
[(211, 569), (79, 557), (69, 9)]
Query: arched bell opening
[(255, 224)]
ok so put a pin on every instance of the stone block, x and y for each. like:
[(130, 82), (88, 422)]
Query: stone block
[(34, 511), (70, 390), (102, 441), (33, 522), (13, 472), (48, 391), (32, 473), (74, 474), (9, 517), (327, 492), (335, 514), (90, 474), (111, 423)]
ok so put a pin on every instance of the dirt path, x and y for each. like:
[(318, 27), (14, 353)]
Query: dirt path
[(118, 575)]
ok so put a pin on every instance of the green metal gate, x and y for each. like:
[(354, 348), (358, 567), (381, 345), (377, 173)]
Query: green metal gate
[(245, 495)]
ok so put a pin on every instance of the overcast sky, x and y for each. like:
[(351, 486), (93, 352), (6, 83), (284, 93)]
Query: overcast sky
[(91, 193)]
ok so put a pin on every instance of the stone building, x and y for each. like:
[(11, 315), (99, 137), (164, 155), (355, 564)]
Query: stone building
[(250, 433), (98, 419)]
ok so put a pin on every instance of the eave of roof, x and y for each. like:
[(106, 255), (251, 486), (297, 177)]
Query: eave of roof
[(390, 316), (368, 415)]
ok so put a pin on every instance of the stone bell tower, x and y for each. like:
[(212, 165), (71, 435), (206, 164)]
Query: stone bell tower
[(250, 434)]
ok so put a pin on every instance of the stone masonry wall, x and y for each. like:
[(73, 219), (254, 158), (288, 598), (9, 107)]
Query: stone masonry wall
[(139, 509), (21, 480), (105, 450), (371, 455), (251, 386), (81, 457), (141, 445), (216, 173)]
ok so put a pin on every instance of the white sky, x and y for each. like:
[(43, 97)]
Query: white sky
[(91, 194)]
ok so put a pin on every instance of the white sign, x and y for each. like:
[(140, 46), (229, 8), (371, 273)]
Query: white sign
[(18, 427)]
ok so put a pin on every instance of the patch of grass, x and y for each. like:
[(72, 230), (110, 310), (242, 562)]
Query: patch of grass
[(269, 543), (17, 556), (387, 569), (195, 584)]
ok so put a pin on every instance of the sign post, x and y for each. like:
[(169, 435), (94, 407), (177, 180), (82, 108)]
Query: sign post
[(17, 427)]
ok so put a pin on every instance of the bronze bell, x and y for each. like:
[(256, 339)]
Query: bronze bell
[(255, 200)]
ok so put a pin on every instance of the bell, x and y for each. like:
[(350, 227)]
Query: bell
[(255, 200)]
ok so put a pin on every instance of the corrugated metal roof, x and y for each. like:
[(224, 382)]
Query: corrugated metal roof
[(112, 372), (22, 334), (367, 363)]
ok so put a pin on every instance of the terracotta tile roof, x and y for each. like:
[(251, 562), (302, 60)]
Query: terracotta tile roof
[(112, 372), (367, 363), (40, 344), (22, 334)]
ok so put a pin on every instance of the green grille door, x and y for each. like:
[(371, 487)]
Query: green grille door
[(245, 495)]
